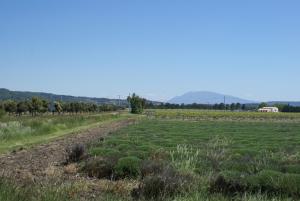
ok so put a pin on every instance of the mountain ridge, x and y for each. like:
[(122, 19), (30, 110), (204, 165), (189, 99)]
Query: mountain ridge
[(208, 97), (6, 94)]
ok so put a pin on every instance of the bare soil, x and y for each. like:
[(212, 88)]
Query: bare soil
[(47, 160)]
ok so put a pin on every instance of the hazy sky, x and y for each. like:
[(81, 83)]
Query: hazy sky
[(157, 49)]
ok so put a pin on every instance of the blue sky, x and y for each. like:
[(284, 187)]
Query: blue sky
[(158, 49)]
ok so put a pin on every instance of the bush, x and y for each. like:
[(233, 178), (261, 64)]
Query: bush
[(76, 153), (167, 183), (2, 112), (128, 167), (278, 182), (266, 181), (151, 167), (100, 167)]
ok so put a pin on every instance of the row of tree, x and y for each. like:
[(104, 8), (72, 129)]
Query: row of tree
[(38, 106)]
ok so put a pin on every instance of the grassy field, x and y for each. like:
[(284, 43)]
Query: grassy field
[(185, 155), (190, 114), (255, 160), (26, 130)]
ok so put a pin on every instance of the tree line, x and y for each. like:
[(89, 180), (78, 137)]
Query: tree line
[(38, 105), (221, 106)]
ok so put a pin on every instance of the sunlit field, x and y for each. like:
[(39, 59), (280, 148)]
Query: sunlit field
[(245, 156), (177, 155), (21, 131)]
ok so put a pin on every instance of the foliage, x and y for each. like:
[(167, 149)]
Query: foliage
[(37, 106), (220, 106), (263, 104), (164, 184), (2, 111), (128, 167), (100, 167), (57, 106), (76, 153), (137, 104), (26, 130), (10, 106)]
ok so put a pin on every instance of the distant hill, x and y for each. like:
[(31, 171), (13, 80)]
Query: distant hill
[(207, 97), (6, 94)]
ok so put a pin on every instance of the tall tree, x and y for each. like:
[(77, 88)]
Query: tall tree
[(57, 106), (10, 106), (263, 104), (22, 107), (137, 104), (36, 104)]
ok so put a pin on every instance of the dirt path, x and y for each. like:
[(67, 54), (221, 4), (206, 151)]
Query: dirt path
[(36, 163)]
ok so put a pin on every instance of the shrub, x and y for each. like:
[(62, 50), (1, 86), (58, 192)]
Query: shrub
[(128, 167), (167, 183), (2, 112), (151, 167), (266, 181), (100, 167), (278, 182), (291, 169), (76, 153)]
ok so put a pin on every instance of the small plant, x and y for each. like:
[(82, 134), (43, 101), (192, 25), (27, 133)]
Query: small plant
[(128, 167), (100, 167), (185, 157), (151, 167), (217, 151), (168, 183), (76, 153)]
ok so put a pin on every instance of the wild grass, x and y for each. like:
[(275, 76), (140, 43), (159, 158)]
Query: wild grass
[(22, 131)]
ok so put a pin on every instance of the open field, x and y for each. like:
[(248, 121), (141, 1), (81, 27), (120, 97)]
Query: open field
[(16, 132), (179, 155), (191, 114), (234, 151)]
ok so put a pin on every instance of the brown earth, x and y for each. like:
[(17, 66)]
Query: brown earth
[(47, 160)]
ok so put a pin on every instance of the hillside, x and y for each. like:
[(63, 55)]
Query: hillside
[(6, 94)]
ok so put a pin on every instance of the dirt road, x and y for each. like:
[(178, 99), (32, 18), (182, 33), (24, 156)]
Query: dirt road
[(36, 163)]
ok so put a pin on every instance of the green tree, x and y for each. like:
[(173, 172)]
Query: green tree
[(36, 104), (238, 106), (263, 104), (137, 104), (2, 111), (22, 107), (44, 106), (57, 106), (10, 106), (232, 106)]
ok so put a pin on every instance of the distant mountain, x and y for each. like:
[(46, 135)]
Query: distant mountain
[(6, 94), (207, 97)]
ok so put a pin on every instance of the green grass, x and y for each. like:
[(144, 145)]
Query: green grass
[(26, 131), (259, 152), (247, 137), (252, 150)]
